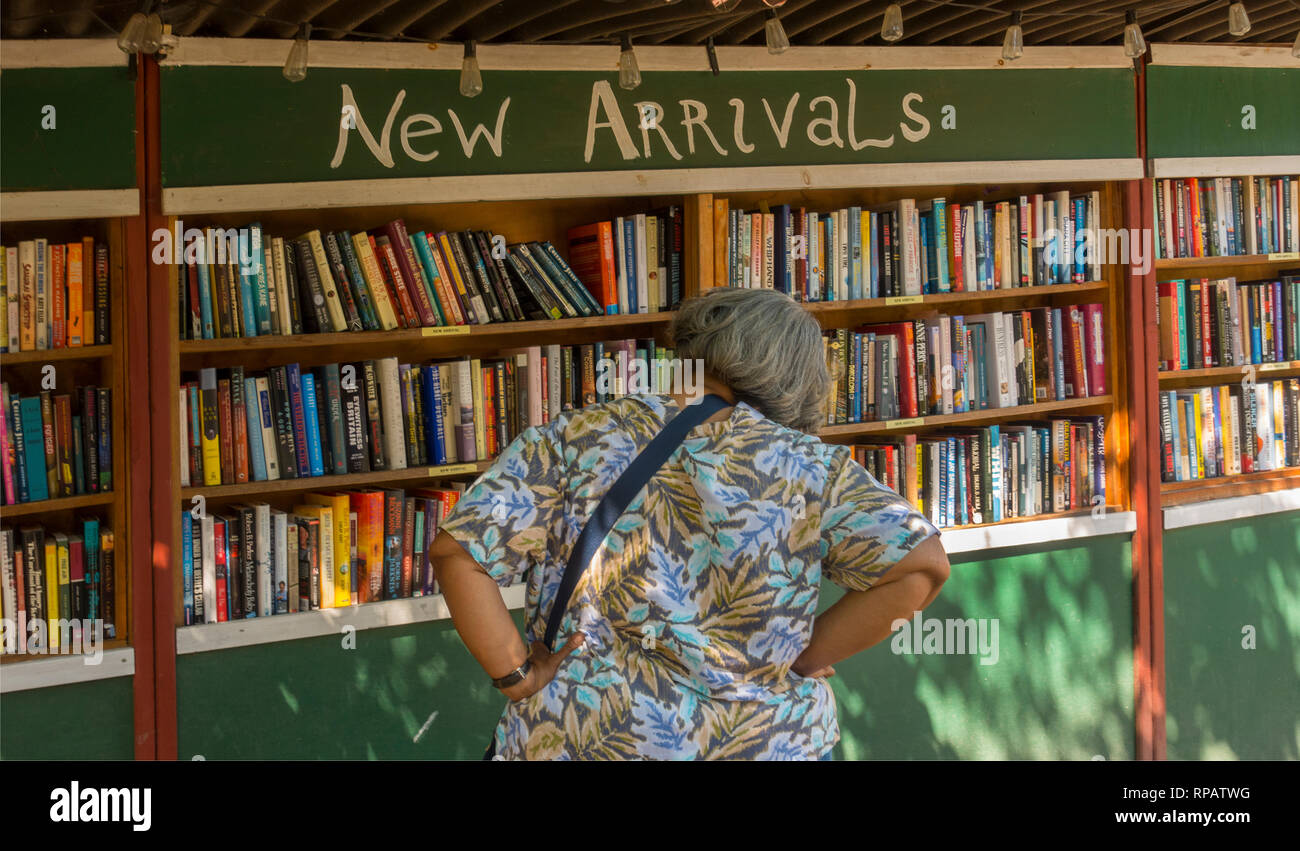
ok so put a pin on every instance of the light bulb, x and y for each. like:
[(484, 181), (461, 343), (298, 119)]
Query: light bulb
[(471, 80), (891, 28), (774, 3), (133, 34), (295, 66), (1238, 20), (153, 33), (1013, 43), (722, 6), (1134, 44), (777, 41), (629, 75)]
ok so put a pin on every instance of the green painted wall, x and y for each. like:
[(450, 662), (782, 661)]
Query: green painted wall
[(1225, 701), (1198, 112), (84, 721), (1062, 686), (91, 144)]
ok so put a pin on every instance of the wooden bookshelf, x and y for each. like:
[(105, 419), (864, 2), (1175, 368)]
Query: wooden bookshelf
[(103, 365), (1065, 407), (1244, 268)]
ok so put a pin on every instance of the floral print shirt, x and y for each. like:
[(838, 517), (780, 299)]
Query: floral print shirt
[(702, 595)]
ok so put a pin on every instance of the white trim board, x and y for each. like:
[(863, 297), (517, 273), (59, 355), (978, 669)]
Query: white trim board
[(582, 184), (1224, 55), (1225, 166), (1049, 530), (1231, 508), (324, 53), (69, 204), (65, 670), (243, 633), (61, 53)]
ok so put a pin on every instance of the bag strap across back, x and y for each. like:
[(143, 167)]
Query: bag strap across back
[(620, 496)]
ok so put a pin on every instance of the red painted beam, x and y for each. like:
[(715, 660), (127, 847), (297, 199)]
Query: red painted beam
[(135, 348), (162, 395)]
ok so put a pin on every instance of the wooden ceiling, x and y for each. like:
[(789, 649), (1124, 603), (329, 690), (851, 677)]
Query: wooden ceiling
[(683, 22)]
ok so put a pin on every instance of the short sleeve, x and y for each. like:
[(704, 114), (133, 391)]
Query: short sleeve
[(866, 528), (506, 518)]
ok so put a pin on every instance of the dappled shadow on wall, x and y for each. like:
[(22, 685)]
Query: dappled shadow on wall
[(411, 692), (1049, 674), (1232, 639)]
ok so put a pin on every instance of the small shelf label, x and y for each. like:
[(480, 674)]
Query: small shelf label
[(453, 469), (1274, 367), (444, 331), (915, 422), (1285, 255), (893, 300)]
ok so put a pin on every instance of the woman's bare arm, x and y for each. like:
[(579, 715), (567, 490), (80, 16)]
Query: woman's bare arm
[(861, 619), (484, 622)]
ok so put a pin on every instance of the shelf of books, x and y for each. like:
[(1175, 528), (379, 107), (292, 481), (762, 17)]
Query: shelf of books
[(975, 372), (64, 489), (65, 586), (343, 374), (1228, 278)]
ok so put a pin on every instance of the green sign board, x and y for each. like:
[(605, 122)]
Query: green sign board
[(67, 128), (1222, 112), (241, 125)]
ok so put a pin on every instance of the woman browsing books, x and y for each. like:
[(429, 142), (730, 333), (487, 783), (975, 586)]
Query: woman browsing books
[(692, 633)]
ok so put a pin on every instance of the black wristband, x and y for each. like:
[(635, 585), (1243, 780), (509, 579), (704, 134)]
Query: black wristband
[(514, 677)]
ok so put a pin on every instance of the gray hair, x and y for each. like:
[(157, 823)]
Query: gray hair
[(764, 346)]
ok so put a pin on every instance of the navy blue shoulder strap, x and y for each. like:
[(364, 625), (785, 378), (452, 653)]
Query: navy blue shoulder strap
[(620, 496)]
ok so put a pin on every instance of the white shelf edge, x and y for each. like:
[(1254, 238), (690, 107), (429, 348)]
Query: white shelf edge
[(1223, 55), (1048, 530), (319, 194), (1224, 166), (65, 670), (201, 638), (22, 53), (1231, 508), (69, 204)]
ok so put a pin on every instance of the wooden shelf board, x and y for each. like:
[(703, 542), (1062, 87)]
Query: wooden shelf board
[(21, 673), (1263, 372), (532, 331), (1039, 529), (1245, 484), (990, 415), (198, 638), (51, 355), (351, 480), (60, 504), (1239, 265), (834, 311), (1231, 508)]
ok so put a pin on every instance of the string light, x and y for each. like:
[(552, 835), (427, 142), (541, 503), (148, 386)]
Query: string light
[(1134, 44), (295, 66), (891, 28), (629, 75), (1013, 43), (131, 39), (471, 79), (777, 40), (1238, 20)]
